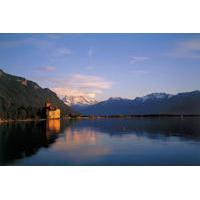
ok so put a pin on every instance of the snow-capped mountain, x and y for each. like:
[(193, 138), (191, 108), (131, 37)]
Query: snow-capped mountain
[(78, 100), (154, 96), (117, 99), (155, 103)]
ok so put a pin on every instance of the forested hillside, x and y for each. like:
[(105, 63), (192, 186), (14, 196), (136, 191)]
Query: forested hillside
[(24, 99)]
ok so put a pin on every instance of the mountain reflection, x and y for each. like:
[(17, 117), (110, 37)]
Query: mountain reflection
[(186, 128)]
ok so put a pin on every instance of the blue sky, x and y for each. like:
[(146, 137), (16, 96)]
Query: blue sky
[(104, 65)]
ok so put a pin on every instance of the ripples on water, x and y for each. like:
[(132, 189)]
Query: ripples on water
[(137, 141)]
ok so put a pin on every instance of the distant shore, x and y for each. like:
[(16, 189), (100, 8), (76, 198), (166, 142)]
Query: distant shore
[(103, 117), (139, 116)]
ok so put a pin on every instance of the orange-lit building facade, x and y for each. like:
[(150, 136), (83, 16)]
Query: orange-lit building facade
[(52, 112)]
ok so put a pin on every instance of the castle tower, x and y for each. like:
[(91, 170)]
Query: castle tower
[(52, 112)]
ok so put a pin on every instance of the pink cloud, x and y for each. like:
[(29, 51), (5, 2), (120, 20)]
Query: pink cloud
[(82, 85)]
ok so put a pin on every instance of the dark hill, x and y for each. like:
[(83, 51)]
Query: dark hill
[(22, 99)]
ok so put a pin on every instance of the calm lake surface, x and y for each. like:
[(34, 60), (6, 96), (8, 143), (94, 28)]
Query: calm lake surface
[(136, 141)]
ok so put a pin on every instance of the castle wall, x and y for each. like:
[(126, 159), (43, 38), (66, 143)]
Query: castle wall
[(53, 114)]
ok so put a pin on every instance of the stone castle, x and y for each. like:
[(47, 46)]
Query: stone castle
[(52, 112)]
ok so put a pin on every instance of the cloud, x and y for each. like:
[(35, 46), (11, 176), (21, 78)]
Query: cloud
[(47, 68), (136, 59), (60, 91), (89, 82), (81, 85), (186, 49)]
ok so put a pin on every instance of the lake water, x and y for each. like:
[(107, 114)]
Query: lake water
[(136, 141)]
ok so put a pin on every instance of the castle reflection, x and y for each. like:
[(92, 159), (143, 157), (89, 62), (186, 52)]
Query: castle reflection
[(52, 130), (53, 125)]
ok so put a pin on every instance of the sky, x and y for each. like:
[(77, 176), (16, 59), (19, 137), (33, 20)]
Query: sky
[(104, 65)]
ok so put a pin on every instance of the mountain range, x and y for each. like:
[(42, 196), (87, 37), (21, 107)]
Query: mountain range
[(153, 104), (22, 99), (78, 101), (25, 99)]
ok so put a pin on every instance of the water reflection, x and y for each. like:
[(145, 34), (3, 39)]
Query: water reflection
[(139, 141), (80, 145), (185, 129), (78, 137), (53, 126), (23, 139), (52, 130)]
